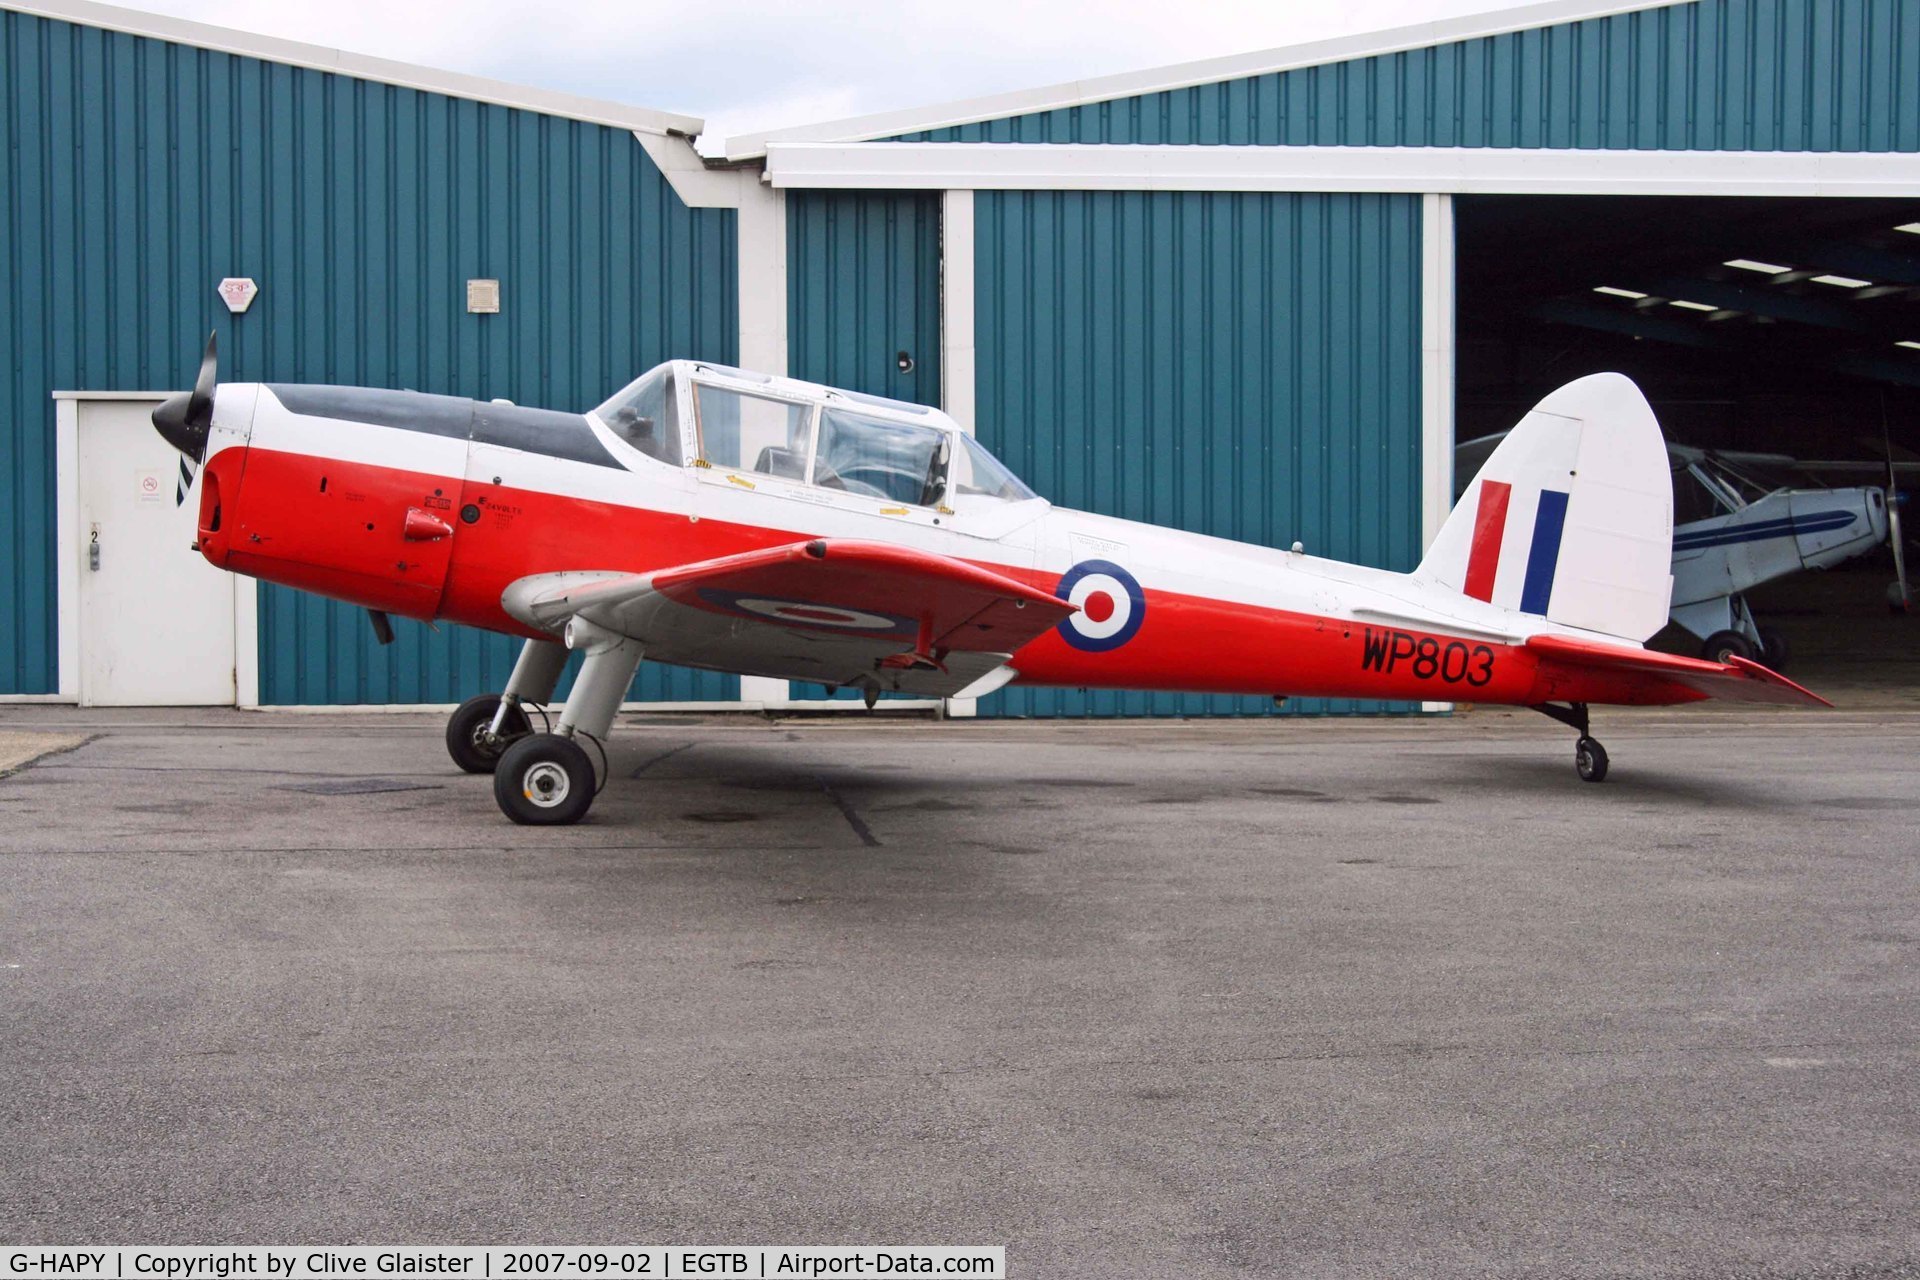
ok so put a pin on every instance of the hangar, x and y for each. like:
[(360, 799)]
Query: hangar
[(1257, 296)]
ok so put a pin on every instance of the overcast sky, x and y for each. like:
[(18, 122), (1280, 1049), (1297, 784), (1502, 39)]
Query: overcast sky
[(746, 66)]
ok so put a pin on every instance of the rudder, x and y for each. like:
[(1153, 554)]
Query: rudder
[(1571, 518)]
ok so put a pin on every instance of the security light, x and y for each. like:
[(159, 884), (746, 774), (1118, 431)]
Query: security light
[(1844, 282), (1911, 228), (1694, 306), (1751, 264), (1904, 343), (1617, 293)]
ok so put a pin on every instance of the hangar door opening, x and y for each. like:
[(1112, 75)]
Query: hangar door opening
[(1778, 341), (156, 622)]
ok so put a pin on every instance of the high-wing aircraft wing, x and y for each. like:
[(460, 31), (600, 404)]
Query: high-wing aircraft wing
[(1738, 680), (839, 612)]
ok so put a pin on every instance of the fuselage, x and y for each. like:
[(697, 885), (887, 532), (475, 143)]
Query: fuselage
[(1782, 532), (431, 507)]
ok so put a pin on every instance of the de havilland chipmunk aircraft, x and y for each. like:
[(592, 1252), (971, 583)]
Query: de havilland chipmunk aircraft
[(716, 518)]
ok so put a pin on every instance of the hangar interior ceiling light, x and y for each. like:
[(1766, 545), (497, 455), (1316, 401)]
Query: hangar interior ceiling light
[(1713, 286), (1913, 228)]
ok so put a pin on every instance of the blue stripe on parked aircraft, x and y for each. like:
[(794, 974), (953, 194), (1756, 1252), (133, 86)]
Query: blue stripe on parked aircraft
[(1819, 522), (1543, 557)]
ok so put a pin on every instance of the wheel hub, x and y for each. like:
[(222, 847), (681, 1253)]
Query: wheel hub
[(545, 784)]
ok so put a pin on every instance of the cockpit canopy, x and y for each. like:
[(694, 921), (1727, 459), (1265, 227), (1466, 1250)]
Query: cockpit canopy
[(686, 412)]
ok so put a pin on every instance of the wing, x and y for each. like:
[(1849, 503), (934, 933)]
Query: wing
[(833, 611), (1737, 681)]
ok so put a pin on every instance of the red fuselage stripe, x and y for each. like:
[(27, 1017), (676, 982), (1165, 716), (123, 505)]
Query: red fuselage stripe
[(1489, 526), (347, 542)]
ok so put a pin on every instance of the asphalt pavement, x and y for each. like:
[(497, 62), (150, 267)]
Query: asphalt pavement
[(1329, 998)]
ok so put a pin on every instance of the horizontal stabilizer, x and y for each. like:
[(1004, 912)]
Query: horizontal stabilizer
[(1736, 681)]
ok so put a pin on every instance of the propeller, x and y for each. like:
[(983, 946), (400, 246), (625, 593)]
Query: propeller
[(184, 419), (1899, 598)]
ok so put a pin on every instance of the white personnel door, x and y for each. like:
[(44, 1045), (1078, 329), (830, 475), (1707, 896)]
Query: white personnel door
[(156, 620)]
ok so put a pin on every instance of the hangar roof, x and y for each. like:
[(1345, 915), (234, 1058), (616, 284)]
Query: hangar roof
[(1077, 93), (452, 84)]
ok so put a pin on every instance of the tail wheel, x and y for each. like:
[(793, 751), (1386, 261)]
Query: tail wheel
[(470, 738), (1590, 760), (544, 780), (1722, 645)]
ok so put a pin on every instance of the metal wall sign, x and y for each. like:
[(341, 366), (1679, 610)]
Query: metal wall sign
[(238, 292)]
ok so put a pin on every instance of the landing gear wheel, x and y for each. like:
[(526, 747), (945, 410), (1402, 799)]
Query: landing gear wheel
[(1722, 645), (1590, 760), (470, 739), (544, 780), (1774, 649)]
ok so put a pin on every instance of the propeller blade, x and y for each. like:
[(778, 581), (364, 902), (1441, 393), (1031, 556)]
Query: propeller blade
[(1899, 553), (200, 407), (184, 420), (1899, 596)]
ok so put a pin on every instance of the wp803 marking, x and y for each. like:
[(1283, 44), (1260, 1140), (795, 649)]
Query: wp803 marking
[(1455, 661)]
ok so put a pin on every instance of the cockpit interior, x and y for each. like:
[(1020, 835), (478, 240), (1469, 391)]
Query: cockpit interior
[(688, 413)]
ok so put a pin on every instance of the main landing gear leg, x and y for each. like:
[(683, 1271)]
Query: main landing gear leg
[(485, 725), (1589, 757), (547, 779)]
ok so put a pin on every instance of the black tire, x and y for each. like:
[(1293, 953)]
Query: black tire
[(1722, 645), (1774, 649), (1590, 760), (544, 780), (468, 732)]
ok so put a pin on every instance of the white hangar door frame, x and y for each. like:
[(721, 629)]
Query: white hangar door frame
[(143, 620)]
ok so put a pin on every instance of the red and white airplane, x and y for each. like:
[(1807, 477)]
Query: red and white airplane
[(716, 518)]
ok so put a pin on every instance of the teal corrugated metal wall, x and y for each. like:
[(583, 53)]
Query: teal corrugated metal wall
[(863, 284), (1244, 365), (1717, 75), (137, 173)]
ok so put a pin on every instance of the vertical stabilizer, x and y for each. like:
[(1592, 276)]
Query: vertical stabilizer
[(1571, 518)]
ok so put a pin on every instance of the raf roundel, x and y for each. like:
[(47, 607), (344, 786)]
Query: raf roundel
[(806, 613), (1111, 606)]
